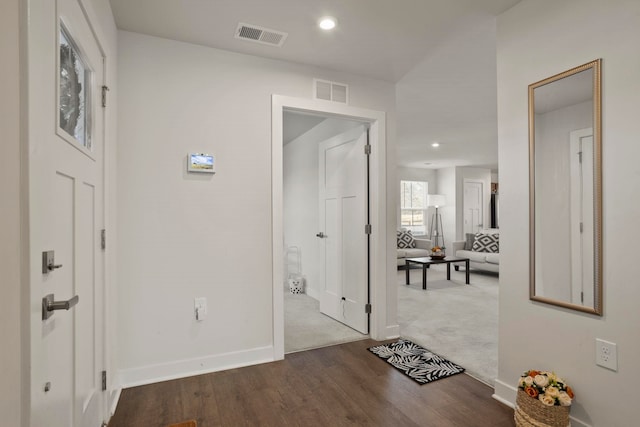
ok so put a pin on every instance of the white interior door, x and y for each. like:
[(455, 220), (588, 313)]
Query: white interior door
[(582, 244), (473, 221), (343, 241), (66, 215)]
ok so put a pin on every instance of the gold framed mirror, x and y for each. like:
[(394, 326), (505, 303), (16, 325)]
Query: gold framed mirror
[(565, 189)]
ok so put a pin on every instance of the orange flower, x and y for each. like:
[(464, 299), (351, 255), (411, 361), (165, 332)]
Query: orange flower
[(531, 391), (570, 392), (533, 373)]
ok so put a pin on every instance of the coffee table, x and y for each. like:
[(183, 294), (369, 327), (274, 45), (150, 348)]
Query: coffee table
[(427, 261)]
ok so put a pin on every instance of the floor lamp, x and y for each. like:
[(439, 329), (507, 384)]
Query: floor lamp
[(435, 232)]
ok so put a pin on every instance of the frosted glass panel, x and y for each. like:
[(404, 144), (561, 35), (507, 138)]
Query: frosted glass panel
[(75, 91)]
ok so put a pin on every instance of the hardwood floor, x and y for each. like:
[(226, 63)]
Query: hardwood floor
[(332, 386)]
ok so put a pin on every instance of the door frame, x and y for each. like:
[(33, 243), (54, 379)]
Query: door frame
[(377, 205)]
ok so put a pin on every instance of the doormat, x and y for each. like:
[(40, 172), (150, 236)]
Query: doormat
[(191, 423), (416, 362)]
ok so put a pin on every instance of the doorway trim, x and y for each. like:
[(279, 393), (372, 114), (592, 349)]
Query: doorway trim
[(377, 203)]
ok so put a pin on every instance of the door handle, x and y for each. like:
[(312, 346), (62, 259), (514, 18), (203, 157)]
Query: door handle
[(321, 235), (49, 305)]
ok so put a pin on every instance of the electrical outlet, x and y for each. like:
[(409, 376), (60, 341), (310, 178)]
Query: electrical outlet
[(200, 308), (606, 354)]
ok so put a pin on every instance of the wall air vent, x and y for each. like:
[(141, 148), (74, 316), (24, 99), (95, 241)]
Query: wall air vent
[(330, 91), (254, 33)]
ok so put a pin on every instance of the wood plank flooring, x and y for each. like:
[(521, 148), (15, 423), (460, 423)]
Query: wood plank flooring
[(332, 386)]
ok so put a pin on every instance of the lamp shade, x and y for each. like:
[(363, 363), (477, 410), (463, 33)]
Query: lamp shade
[(436, 200)]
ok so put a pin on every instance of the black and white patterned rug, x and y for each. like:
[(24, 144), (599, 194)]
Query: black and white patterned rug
[(416, 362)]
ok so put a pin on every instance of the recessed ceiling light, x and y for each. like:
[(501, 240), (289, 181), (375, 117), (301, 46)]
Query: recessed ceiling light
[(327, 23), (435, 145), (427, 163)]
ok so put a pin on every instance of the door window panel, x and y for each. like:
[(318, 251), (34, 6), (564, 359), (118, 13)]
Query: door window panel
[(74, 92)]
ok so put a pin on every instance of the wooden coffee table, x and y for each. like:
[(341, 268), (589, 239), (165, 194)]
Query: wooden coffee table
[(427, 261)]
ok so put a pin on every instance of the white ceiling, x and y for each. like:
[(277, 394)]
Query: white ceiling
[(423, 45)]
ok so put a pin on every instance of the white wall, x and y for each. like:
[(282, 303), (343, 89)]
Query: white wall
[(450, 182), (183, 236), (447, 185), (537, 39), (13, 397), (301, 215), (416, 174)]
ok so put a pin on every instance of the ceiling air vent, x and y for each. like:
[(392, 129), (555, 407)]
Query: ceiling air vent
[(254, 33), (330, 91)]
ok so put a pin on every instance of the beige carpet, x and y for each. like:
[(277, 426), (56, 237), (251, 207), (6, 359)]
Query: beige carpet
[(454, 320)]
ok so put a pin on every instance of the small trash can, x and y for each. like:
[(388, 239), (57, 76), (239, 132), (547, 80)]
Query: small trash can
[(296, 284)]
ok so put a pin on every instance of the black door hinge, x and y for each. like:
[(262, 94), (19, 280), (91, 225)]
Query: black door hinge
[(104, 95)]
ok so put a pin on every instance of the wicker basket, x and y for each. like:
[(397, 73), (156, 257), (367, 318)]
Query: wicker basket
[(531, 412)]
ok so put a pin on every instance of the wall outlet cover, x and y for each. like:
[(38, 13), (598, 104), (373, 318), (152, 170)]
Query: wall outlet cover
[(606, 354)]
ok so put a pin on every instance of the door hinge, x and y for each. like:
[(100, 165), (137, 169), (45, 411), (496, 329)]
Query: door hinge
[(581, 227), (367, 229), (367, 308), (580, 157), (103, 239), (104, 95), (582, 297), (104, 380), (367, 149)]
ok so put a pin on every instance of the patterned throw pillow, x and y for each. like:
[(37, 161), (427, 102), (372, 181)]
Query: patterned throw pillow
[(486, 243), (405, 239)]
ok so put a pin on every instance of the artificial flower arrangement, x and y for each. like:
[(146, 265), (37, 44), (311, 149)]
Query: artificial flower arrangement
[(438, 250), (547, 387)]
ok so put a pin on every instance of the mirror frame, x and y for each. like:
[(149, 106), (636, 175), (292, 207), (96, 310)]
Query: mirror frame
[(597, 187)]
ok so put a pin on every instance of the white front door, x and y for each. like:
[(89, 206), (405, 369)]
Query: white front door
[(472, 207), (343, 216), (66, 215)]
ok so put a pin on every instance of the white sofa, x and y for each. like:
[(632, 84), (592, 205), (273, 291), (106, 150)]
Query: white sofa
[(487, 261), (422, 249)]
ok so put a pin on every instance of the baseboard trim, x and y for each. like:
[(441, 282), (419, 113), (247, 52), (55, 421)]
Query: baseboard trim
[(115, 398), (189, 367), (506, 394), (392, 332)]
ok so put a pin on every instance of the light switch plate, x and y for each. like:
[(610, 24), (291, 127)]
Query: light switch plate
[(200, 308)]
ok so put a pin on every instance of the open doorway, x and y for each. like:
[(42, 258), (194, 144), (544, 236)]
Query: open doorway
[(378, 296), (325, 183)]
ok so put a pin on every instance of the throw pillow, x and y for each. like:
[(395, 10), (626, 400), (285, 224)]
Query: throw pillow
[(405, 239), (468, 244), (486, 243)]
